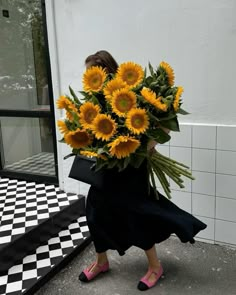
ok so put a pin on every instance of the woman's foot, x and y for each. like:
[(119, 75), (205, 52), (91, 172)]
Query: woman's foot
[(151, 278), (93, 271)]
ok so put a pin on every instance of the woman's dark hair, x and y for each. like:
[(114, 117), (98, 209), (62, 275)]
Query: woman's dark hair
[(104, 59)]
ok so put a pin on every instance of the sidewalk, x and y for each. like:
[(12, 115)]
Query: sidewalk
[(199, 269)]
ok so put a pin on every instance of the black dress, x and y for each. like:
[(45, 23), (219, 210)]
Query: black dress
[(126, 213)]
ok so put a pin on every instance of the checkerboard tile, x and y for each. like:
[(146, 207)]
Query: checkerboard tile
[(42, 163), (23, 276), (24, 205)]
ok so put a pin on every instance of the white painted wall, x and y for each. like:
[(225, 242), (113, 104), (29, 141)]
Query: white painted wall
[(198, 38)]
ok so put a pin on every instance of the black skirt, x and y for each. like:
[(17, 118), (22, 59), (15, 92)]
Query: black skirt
[(126, 213)]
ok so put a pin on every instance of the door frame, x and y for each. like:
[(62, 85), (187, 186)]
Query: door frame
[(37, 114)]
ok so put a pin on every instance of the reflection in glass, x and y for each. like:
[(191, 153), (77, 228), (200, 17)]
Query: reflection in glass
[(26, 145), (23, 77)]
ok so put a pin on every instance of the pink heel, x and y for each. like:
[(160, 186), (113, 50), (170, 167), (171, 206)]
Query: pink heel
[(87, 275), (144, 284)]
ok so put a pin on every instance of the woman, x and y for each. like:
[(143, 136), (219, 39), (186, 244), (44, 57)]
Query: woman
[(125, 213)]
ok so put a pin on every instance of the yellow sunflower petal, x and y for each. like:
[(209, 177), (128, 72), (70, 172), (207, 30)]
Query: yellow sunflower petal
[(62, 126), (90, 154), (123, 101), (111, 86), (63, 102), (77, 139), (123, 146), (88, 112), (178, 94), (150, 97), (93, 79), (104, 127), (137, 121), (169, 72), (131, 73)]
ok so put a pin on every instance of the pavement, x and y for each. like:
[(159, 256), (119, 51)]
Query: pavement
[(196, 269)]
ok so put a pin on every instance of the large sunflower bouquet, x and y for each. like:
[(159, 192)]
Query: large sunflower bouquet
[(117, 117)]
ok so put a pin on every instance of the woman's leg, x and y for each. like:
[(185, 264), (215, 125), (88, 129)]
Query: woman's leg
[(101, 265), (153, 264), (100, 260)]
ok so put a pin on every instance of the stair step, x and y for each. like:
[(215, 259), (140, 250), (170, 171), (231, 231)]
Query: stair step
[(34, 270), (31, 213)]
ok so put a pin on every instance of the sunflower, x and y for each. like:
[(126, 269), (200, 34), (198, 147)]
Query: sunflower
[(123, 146), (63, 102), (111, 86), (62, 126), (131, 73), (150, 96), (104, 127), (78, 138), (90, 154), (93, 79), (169, 72), (137, 121), (88, 112), (178, 94), (123, 101)]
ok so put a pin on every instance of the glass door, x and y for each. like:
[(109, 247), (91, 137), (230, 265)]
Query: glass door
[(27, 124)]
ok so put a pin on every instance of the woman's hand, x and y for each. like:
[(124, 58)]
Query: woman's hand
[(152, 143)]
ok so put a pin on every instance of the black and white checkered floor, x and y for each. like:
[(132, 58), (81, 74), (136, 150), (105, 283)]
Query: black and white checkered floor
[(23, 276), (24, 205), (42, 163)]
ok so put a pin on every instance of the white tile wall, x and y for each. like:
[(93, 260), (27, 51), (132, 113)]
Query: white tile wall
[(204, 137), (203, 160), (226, 162), (225, 232), (181, 154), (226, 186), (213, 192), (209, 232), (182, 200), (182, 138), (226, 209), (226, 138), (204, 183), (203, 205), (163, 149)]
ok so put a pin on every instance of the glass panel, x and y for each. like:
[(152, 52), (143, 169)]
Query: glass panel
[(26, 145), (23, 77)]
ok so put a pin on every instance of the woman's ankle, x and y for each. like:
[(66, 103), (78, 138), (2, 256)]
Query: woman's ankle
[(101, 258), (154, 265)]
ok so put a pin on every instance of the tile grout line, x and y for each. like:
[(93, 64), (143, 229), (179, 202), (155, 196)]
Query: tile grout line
[(191, 168), (215, 185)]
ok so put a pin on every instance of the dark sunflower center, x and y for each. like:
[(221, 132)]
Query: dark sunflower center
[(96, 80), (105, 126), (137, 121), (90, 115), (131, 77), (124, 104), (81, 137)]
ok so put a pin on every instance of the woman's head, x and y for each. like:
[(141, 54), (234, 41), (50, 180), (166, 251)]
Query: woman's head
[(104, 59)]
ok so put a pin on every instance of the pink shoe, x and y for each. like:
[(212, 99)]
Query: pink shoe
[(87, 275), (144, 284)]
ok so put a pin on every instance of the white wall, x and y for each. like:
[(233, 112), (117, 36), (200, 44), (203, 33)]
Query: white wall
[(198, 38)]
